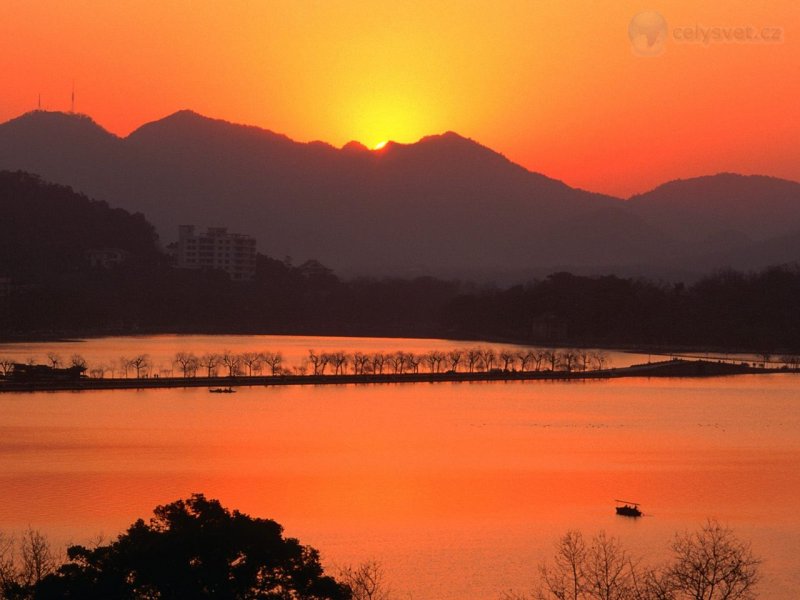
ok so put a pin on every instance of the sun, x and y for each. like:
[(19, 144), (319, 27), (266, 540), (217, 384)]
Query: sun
[(380, 145)]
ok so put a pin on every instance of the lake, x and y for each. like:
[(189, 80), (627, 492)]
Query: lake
[(458, 489)]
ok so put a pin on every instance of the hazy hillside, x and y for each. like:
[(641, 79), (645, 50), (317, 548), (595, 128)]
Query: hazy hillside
[(726, 219), (46, 229), (445, 205)]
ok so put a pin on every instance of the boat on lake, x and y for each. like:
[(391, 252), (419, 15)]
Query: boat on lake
[(226, 390), (628, 508)]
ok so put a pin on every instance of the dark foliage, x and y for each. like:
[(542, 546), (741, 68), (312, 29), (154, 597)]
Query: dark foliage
[(195, 548), (46, 229)]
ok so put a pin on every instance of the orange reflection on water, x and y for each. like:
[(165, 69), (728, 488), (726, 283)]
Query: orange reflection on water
[(444, 483)]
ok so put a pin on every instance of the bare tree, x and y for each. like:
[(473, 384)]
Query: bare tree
[(509, 359), (609, 572), (378, 362), (8, 571), (209, 362), (366, 581), (551, 356), (413, 361), (709, 564), (434, 359), (712, 564), (473, 357), (318, 361), (76, 360), (124, 365), (140, 363), (455, 358), (37, 559), (231, 361), (584, 358), (538, 357), (54, 359), (274, 360), (488, 356), (253, 361), (566, 578), (397, 361), (569, 358), (600, 359), (187, 362), (361, 363), (525, 358), (339, 361), (6, 365)]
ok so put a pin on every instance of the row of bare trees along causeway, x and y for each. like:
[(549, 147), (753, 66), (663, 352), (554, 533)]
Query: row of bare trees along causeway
[(468, 360), (478, 363)]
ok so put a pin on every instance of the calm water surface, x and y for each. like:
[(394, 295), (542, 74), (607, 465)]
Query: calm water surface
[(458, 489)]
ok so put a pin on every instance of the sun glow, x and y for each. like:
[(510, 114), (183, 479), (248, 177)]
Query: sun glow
[(380, 145)]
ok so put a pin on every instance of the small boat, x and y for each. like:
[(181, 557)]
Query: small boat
[(628, 509), (227, 390)]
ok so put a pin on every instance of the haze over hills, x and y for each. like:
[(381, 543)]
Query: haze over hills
[(445, 205)]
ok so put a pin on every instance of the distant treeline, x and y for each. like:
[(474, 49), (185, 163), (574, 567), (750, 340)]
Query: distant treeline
[(49, 289), (724, 311), (248, 364)]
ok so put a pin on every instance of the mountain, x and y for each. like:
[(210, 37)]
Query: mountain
[(742, 221), (46, 230), (445, 205)]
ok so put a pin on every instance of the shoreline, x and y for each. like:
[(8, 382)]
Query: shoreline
[(678, 368), (679, 351)]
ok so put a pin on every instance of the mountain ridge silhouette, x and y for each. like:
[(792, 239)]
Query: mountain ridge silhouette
[(444, 205)]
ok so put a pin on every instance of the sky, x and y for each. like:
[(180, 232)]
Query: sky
[(611, 96)]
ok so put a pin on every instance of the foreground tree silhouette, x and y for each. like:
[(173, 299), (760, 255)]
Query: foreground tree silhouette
[(708, 564), (195, 548), (366, 581), (711, 564)]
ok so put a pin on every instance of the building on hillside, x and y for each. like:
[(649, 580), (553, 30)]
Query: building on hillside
[(106, 258), (233, 253)]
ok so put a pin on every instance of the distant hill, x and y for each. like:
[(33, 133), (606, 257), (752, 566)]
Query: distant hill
[(46, 230), (445, 205), (726, 219)]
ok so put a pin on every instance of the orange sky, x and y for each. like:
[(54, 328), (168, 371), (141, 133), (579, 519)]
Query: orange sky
[(554, 85)]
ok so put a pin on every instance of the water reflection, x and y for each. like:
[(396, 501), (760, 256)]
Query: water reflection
[(460, 489)]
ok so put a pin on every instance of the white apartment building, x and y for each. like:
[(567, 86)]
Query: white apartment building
[(233, 253)]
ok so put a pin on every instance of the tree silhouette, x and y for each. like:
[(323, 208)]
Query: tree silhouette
[(455, 358), (76, 360), (711, 564), (231, 361), (209, 362), (366, 581), (378, 362), (6, 365), (139, 364), (195, 548), (274, 360), (187, 361), (253, 361)]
